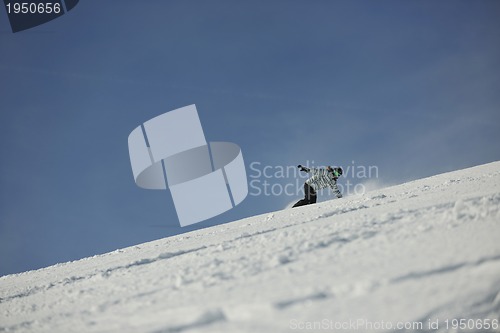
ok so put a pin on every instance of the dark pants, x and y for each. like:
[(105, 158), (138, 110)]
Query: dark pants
[(309, 198)]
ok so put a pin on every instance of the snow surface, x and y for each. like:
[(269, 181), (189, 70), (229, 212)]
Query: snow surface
[(402, 255)]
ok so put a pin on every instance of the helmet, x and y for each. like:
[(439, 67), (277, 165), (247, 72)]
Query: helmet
[(337, 172)]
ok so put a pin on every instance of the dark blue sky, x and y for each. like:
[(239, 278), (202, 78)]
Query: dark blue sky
[(411, 87)]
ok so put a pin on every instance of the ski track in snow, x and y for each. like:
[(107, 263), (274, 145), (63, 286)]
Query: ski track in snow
[(415, 252)]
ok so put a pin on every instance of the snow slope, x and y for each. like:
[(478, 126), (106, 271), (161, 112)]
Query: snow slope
[(415, 253)]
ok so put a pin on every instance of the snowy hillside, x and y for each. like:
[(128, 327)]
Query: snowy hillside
[(425, 252)]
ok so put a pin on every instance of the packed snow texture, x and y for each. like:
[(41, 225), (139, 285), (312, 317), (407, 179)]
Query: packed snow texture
[(420, 252)]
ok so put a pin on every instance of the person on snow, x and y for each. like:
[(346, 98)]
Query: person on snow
[(321, 178)]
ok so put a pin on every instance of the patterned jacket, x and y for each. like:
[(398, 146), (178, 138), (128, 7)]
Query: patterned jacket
[(321, 178)]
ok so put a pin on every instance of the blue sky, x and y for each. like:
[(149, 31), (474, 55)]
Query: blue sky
[(408, 86)]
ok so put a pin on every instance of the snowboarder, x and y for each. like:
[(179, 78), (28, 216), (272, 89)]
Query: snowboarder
[(321, 178)]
